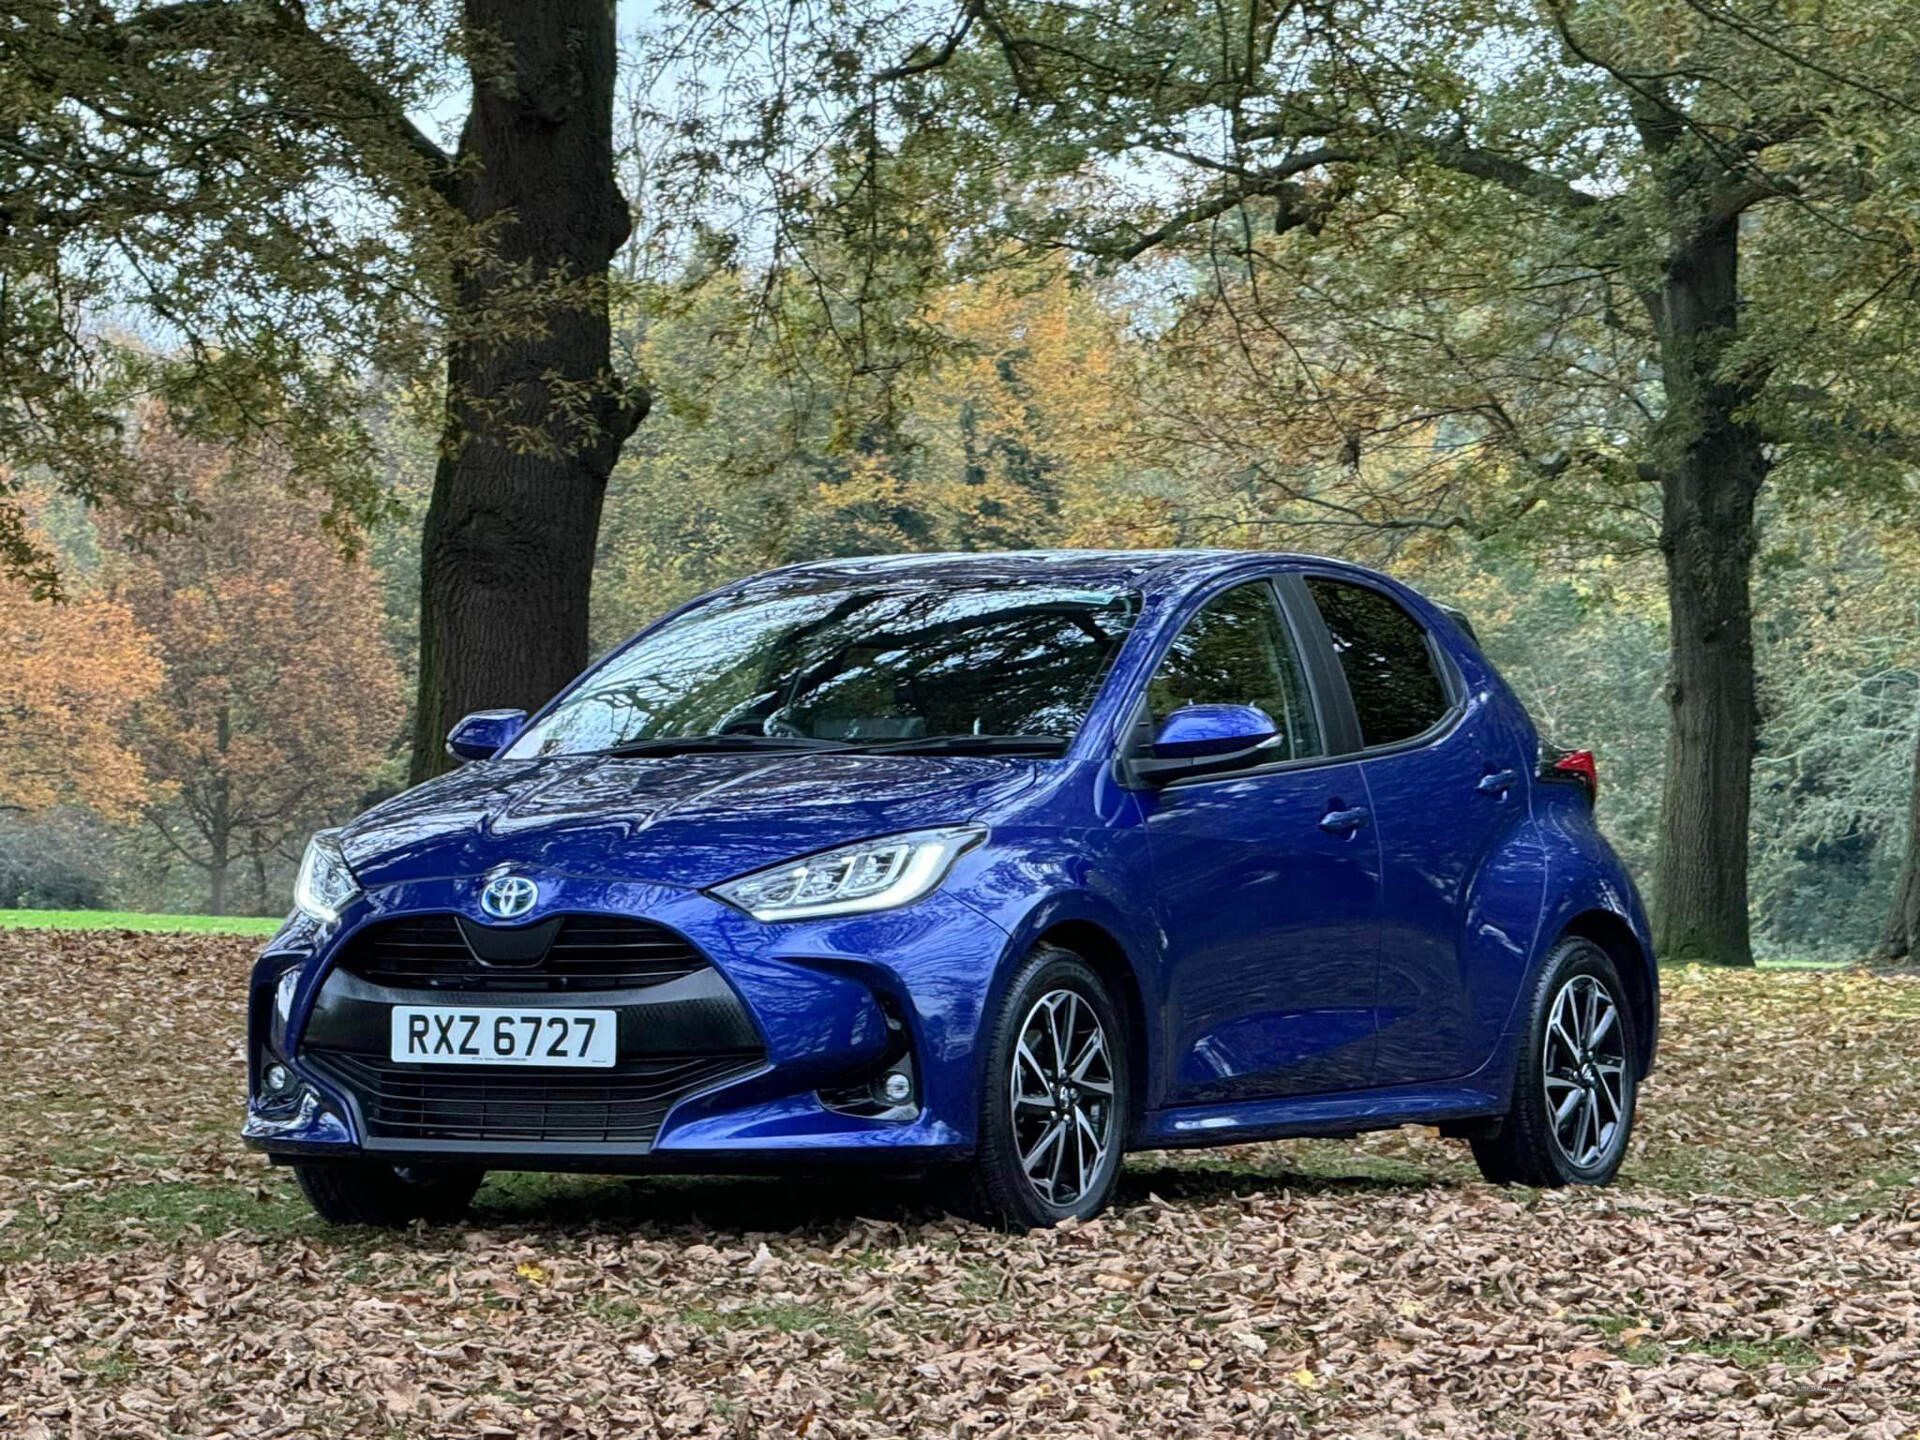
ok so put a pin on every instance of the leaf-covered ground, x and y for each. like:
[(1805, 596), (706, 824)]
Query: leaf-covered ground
[(1757, 1273)]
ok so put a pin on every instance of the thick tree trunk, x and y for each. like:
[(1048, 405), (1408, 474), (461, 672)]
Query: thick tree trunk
[(534, 417), (1712, 468), (1901, 939)]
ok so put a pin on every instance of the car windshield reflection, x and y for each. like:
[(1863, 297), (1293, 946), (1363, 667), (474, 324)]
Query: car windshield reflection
[(1008, 669)]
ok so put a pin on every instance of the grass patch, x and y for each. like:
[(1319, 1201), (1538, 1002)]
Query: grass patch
[(163, 1212), (134, 920)]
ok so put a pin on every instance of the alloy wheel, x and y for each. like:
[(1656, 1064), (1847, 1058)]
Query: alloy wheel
[(1583, 1066), (1062, 1097)]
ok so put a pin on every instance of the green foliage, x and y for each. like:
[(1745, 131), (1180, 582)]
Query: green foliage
[(221, 205)]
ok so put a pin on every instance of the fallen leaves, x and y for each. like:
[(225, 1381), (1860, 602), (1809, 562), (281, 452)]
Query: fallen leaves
[(1756, 1274)]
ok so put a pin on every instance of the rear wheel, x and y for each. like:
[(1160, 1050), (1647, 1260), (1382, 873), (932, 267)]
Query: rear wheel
[(1053, 1118), (1574, 1085), (365, 1192)]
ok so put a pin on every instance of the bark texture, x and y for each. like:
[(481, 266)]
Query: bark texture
[(1902, 934), (1712, 467), (534, 419)]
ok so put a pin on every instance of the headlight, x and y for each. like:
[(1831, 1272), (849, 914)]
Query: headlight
[(325, 883), (854, 879)]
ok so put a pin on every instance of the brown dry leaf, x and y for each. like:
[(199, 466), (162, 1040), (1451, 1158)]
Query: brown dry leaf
[(1757, 1272)]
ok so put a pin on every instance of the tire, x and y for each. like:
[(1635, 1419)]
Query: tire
[(1571, 1118), (365, 1192), (1021, 1179)]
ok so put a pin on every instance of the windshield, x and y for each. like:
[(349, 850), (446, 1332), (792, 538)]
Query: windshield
[(890, 665)]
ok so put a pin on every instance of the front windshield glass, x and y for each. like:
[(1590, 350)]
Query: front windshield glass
[(900, 665)]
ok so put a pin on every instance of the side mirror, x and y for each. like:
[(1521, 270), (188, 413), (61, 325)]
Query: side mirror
[(1204, 740), (1197, 730), (484, 733)]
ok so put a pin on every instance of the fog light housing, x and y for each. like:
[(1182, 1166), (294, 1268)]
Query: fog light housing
[(277, 1081), (891, 1089)]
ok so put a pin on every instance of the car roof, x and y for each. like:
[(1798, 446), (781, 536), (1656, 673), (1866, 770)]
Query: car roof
[(1137, 569)]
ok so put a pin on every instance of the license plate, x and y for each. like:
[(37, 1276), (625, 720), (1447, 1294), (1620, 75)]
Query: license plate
[(443, 1035)]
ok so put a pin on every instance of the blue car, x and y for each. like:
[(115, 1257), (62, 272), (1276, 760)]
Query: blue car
[(1006, 863)]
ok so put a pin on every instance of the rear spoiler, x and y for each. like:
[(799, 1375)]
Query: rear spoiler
[(1459, 617)]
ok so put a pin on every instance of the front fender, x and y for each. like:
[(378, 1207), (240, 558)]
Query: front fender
[(1091, 883)]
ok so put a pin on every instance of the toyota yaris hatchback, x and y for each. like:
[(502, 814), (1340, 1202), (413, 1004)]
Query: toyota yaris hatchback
[(1005, 862)]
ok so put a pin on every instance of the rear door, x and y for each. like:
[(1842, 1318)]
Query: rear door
[(1267, 880), (1444, 768)]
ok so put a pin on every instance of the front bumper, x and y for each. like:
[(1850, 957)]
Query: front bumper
[(741, 1065)]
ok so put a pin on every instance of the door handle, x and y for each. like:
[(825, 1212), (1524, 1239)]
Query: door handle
[(1344, 822), (1499, 783)]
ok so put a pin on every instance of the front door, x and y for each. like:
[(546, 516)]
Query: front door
[(1267, 881)]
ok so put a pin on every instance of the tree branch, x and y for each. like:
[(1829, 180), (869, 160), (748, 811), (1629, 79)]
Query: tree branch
[(910, 67), (191, 19), (1450, 154), (1276, 184)]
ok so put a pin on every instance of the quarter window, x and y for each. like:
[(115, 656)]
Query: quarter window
[(1237, 651), (1397, 692)]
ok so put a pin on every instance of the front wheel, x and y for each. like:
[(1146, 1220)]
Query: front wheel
[(365, 1192), (1053, 1121), (1574, 1085)]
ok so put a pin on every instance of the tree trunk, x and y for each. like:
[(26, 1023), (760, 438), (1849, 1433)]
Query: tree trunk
[(217, 872), (220, 817), (1902, 935), (1712, 467), (534, 419)]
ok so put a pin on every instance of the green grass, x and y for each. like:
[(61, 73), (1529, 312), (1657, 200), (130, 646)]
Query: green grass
[(166, 1212), (133, 920)]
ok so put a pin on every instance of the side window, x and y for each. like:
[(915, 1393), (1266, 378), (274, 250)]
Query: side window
[(1237, 651), (1384, 653)]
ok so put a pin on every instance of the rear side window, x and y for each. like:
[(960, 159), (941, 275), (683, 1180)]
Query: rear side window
[(1237, 651), (1383, 651)]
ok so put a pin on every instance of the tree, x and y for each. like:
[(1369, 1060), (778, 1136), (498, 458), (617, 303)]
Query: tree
[(243, 177), (535, 415), (73, 678), (280, 697), (221, 203), (1901, 936), (1703, 200), (1019, 432)]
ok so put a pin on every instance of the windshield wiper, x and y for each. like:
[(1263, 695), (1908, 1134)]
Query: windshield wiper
[(970, 744), (719, 745)]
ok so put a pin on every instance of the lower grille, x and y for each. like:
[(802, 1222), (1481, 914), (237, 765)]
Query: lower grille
[(624, 1104)]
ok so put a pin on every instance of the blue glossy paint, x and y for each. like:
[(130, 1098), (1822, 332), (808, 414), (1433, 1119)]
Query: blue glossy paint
[(1317, 946), (1212, 730), (483, 734)]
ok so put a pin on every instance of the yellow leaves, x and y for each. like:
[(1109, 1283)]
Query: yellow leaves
[(532, 1271)]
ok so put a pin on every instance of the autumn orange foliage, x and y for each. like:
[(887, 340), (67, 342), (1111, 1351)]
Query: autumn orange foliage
[(70, 680), (280, 696)]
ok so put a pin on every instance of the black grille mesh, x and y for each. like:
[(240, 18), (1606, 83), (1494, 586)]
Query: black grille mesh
[(624, 1104), (589, 952)]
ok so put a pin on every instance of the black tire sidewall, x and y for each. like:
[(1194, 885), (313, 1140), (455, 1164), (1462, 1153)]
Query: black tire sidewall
[(368, 1192), (1571, 958), (1004, 1190)]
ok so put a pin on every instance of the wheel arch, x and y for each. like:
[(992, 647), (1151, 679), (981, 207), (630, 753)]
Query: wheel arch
[(1613, 934), (1108, 959)]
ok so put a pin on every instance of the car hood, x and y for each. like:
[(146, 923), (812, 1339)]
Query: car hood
[(681, 820)]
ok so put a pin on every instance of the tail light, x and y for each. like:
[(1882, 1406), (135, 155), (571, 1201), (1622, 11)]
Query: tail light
[(1578, 766)]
